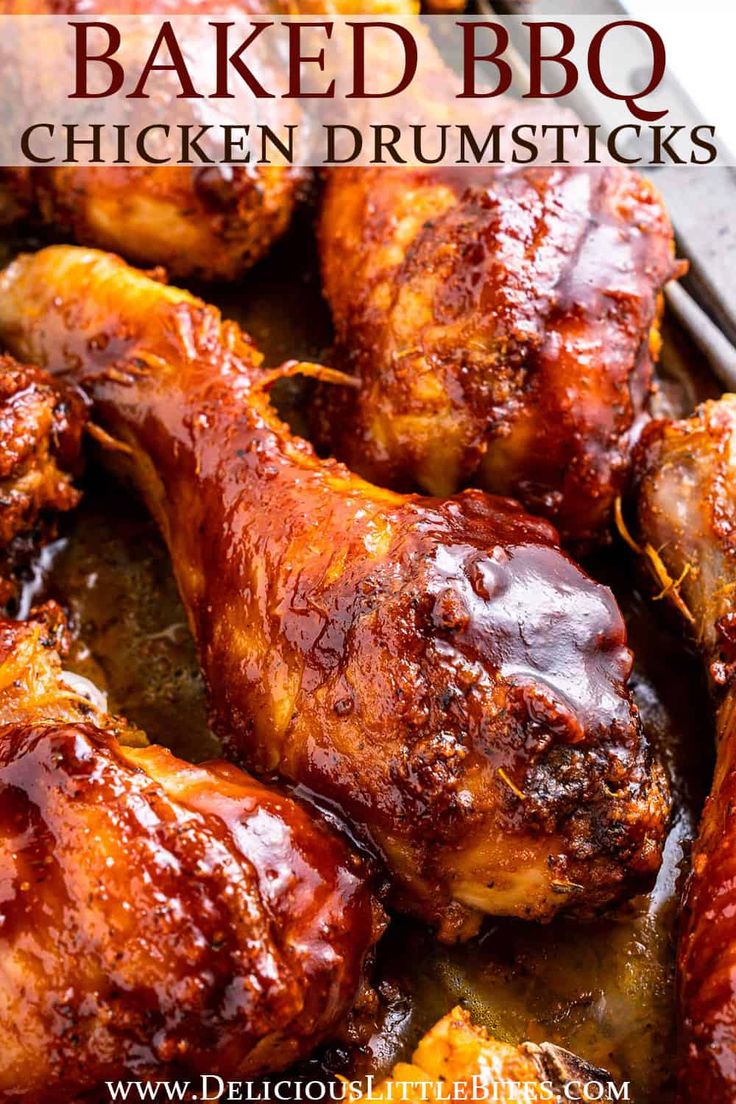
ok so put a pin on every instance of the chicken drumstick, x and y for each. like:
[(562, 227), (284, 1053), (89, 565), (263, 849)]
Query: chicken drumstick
[(212, 222), (438, 671), (157, 919), (503, 326), (687, 513)]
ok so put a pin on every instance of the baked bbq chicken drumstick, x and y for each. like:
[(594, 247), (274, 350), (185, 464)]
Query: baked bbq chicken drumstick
[(209, 222), (157, 919), (437, 671), (502, 325), (687, 514), (212, 221)]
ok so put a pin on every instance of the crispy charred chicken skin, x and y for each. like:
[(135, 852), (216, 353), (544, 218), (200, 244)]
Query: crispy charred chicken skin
[(503, 326), (439, 671), (157, 919), (687, 514), (41, 424), (211, 222)]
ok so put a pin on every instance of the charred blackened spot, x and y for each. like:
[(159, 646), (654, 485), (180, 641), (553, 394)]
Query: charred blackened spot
[(344, 706), (446, 698), (722, 669), (98, 342), (214, 185)]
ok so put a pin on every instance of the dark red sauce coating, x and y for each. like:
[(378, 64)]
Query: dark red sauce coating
[(437, 669), (159, 920), (501, 322)]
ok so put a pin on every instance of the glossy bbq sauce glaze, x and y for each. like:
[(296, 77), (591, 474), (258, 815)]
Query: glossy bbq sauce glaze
[(503, 325), (603, 988)]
